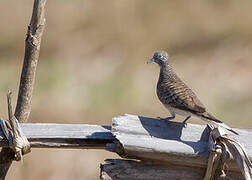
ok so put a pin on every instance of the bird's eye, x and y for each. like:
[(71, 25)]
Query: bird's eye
[(159, 56)]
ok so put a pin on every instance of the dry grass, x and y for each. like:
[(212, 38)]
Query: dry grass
[(92, 66)]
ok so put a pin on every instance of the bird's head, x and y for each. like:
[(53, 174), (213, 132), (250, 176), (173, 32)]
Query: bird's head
[(159, 57)]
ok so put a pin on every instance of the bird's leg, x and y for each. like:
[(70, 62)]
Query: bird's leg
[(184, 122)]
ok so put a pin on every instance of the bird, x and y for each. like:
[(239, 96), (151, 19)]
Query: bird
[(177, 97)]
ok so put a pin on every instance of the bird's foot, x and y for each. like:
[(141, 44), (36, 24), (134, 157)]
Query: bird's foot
[(166, 119)]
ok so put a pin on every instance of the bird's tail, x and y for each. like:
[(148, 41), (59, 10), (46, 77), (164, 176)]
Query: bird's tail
[(211, 119)]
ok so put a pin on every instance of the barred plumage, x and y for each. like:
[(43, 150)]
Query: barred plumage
[(177, 97), (173, 92)]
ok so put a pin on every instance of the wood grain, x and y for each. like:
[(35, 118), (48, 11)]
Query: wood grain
[(50, 135), (158, 140), (165, 145), (118, 169)]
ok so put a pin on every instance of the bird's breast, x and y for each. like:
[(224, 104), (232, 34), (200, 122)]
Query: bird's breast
[(166, 91)]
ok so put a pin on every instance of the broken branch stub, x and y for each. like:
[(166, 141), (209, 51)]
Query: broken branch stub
[(19, 144)]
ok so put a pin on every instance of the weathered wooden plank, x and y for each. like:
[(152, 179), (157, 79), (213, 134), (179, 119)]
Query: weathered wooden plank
[(50, 135), (118, 169), (142, 138), (169, 142)]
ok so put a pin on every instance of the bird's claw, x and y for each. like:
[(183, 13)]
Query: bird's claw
[(166, 119)]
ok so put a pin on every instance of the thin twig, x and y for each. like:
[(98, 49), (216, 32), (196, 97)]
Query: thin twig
[(10, 112)]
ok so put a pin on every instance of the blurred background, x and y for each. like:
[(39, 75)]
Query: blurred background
[(92, 67)]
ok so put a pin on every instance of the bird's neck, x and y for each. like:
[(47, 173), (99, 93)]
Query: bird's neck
[(166, 72), (167, 76)]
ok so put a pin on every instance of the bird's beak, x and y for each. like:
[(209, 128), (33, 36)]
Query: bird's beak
[(150, 61)]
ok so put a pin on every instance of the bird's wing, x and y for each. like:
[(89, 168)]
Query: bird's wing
[(182, 97), (178, 95)]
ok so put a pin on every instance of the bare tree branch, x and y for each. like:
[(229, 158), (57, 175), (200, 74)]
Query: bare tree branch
[(32, 48)]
